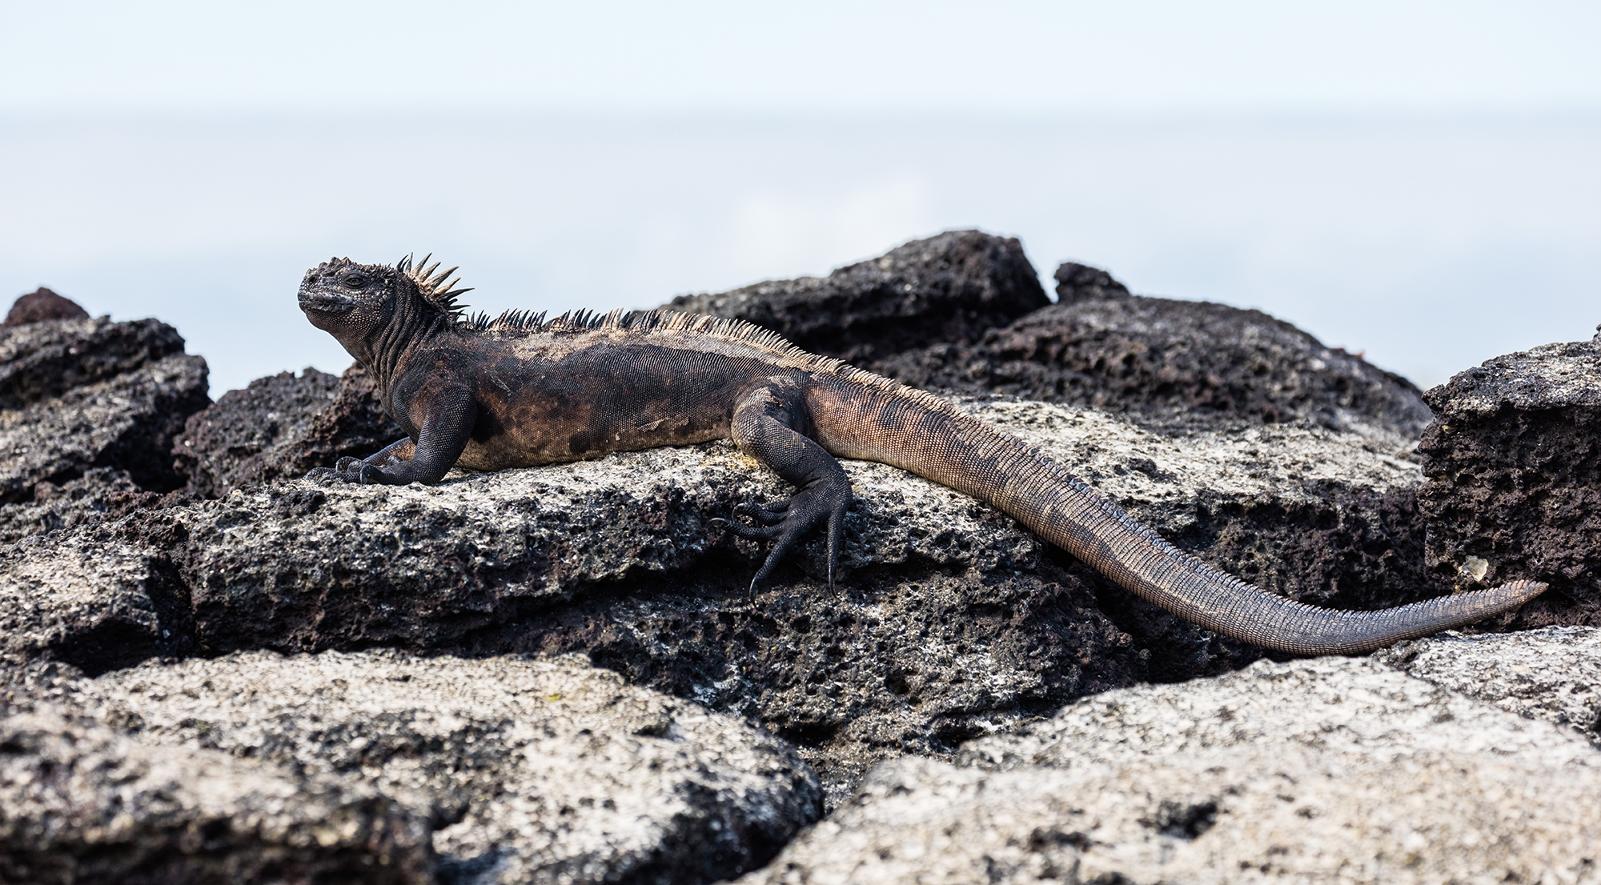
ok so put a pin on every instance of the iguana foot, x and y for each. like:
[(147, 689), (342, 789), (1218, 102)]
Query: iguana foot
[(786, 522), (346, 469)]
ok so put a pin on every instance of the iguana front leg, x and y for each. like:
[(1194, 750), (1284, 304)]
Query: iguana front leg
[(444, 434), (771, 424)]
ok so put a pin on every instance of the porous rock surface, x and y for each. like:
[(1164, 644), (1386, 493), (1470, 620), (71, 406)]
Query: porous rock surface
[(951, 621), (1327, 770), (96, 494), (512, 770), (948, 287), (82, 802), (43, 360), (280, 427), (1550, 673), (88, 412), (1168, 363), (96, 604), (1512, 488)]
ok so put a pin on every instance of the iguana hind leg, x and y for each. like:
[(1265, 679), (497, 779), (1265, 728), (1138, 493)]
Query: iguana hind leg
[(770, 424), (400, 450)]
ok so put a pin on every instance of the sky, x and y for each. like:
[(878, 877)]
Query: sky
[(824, 55), (1416, 181)]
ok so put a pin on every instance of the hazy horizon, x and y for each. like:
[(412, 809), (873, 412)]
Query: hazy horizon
[(1430, 245)]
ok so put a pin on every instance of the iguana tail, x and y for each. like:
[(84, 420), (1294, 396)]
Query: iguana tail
[(865, 418)]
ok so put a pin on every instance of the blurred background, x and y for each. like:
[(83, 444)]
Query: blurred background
[(1420, 182)]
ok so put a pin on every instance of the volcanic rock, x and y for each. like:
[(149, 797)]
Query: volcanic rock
[(1170, 364), (1512, 489), (1077, 282), (513, 770), (81, 802), (1320, 770), (1551, 673), (950, 622), (41, 361), (949, 287), (88, 412)]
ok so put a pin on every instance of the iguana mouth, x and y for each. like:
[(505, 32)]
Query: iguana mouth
[(325, 302)]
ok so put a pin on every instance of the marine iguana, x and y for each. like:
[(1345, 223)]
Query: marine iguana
[(523, 389)]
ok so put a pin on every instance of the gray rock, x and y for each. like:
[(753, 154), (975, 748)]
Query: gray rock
[(1552, 673), (80, 802), (127, 421), (1170, 364), (121, 422), (950, 622), (94, 603), (1325, 770), (98, 494), (88, 412), (39, 361), (1513, 478), (949, 287), (525, 770)]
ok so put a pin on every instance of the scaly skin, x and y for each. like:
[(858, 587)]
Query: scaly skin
[(522, 390)]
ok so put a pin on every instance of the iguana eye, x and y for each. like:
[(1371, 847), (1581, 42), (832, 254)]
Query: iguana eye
[(355, 281)]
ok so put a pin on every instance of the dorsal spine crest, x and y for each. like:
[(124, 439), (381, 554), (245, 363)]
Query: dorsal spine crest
[(526, 322)]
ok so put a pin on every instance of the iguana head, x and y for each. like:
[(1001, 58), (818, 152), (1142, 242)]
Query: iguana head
[(355, 302), (346, 298)]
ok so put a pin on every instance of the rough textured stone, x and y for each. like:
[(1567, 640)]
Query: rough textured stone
[(42, 305), (1552, 673), (949, 287), (44, 360), (1333, 770), (88, 411), (1513, 478), (281, 426), (100, 493), (1170, 364), (127, 422), (950, 622), (92, 603), (81, 803), (524, 770)]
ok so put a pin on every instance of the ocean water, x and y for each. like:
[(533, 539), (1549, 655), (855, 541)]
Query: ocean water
[(1429, 245)]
